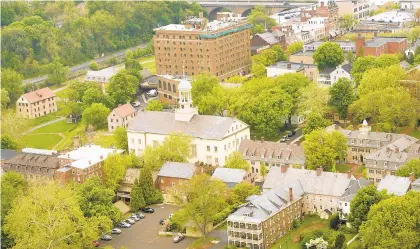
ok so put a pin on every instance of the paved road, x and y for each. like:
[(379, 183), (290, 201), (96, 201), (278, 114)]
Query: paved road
[(144, 234), (85, 65)]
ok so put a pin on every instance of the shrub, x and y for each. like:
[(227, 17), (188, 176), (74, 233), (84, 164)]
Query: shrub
[(93, 66), (334, 221), (313, 235)]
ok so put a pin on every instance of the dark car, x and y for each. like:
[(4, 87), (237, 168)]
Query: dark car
[(106, 237), (291, 133), (162, 222), (148, 210), (95, 243)]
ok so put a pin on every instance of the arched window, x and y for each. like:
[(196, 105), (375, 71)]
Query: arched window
[(164, 85), (169, 87)]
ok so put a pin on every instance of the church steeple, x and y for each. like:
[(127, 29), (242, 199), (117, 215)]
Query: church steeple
[(186, 110)]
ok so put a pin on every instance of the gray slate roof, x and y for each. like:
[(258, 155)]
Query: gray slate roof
[(268, 37), (261, 207), (395, 185), (201, 126), (347, 67), (7, 154), (328, 183), (228, 175), (177, 170), (352, 189)]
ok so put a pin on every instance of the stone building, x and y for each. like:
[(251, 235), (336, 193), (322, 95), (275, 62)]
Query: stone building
[(351, 191), (121, 117), (126, 185), (220, 47), (273, 154), (36, 103), (168, 88)]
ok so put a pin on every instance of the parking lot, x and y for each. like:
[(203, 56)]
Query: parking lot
[(144, 233)]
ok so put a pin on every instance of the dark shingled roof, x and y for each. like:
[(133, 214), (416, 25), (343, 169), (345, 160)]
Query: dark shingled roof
[(7, 154)]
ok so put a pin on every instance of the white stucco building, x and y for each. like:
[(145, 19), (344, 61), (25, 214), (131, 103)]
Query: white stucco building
[(213, 137)]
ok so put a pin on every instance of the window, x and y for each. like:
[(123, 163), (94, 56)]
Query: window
[(216, 160), (194, 150), (139, 140), (132, 140), (208, 148), (215, 149)]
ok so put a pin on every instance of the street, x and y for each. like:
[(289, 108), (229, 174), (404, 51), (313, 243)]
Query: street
[(144, 233)]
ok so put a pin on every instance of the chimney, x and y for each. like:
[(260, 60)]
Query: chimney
[(319, 171), (289, 66), (200, 15), (291, 194), (262, 139), (283, 168), (349, 174), (360, 43), (322, 4), (101, 157), (411, 177), (255, 138), (397, 149)]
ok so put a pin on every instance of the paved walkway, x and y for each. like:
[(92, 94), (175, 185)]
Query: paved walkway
[(44, 124), (222, 235)]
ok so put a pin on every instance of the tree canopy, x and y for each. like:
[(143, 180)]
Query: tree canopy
[(11, 82), (96, 115), (154, 105), (236, 161), (329, 54), (136, 197), (412, 166), (122, 87), (151, 195), (260, 20), (114, 169), (342, 95), (380, 78), (120, 137)]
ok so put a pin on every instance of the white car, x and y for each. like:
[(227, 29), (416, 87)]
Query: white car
[(135, 104), (152, 93), (116, 231)]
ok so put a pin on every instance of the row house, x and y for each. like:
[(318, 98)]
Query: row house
[(121, 117), (359, 9), (272, 154), (36, 103)]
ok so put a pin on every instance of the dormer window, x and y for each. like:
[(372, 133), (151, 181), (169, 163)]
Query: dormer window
[(252, 154), (352, 141)]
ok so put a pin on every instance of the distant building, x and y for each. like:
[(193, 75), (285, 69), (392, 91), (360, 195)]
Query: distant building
[(346, 46), (411, 82), (36, 103), (233, 176), (395, 185), (259, 42), (349, 194), (409, 5), (102, 76), (213, 137), (167, 88), (73, 118), (329, 76), (220, 47), (358, 9), (172, 174), (121, 117), (380, 45), (126, 185), (272, 154), (388, 22)]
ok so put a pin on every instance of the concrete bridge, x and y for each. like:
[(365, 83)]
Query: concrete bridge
[(244, 7)]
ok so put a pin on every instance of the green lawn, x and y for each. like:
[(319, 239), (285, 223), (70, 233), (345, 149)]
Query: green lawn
[(415, 134), (342, 168), (148, 63), (41, 141), (58, 127), (200, 244), (103, 140)]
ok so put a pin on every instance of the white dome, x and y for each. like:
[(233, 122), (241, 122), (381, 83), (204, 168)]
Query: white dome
[(184, 85)]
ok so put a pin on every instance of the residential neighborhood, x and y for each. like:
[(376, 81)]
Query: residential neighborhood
[(210, 124)]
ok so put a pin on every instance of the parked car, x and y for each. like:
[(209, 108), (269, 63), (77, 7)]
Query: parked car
[(116, 231), (135, 104), (130, 221), (152, 93), (140, 215), (148, 210), (178, 238), (291, 133), (283, 139), (134, 217), (162, 221), (124, 225), (96, 243), (106, 237)]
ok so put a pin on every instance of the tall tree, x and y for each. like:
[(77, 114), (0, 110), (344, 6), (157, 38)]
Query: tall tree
[(342, 95), (412, 166), (120, 137), (393, 223), (151, 195), (11, 81), (260, 20), (380, 78), (236, 161), (329, 54), (242, 191), (294, 47), (49, 216), (154, 105), (136, 197), (95, 95), (114, 169), (263, 169), (362, 202), (122, 87), (202, 85), (96, 200), (348, 22), (315, 121), (201, 198), (313, 99), (5, 100), (96, 115), (214, 103), (323, 148), (57, 73)]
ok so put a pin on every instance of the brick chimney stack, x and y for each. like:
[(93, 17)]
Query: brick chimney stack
[(291, 194), (319, 171), (283, 168)]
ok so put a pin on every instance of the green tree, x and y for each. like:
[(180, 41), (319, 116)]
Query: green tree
[(348, 22), (175, 148), (114, 169), (76, 91), (350, 57), (313, 99), (361, 204), (8, 142), (120, 137), (93, 66), (243, 190), (365, 63), (5, 100), (214, 103), (329, 54), (201, 198), (393, 223), (260, 20), (96, 115), (95, 95), (11, 82), (236, 161), (122, 87), (154, 105), (258, 70), (340, 241), (323, 148), (380, 78), (57, 73), (202, 85), (151, 195), (137, 200), (412, 166), (342, 96), (294, 47), (263, 170), (96, 200), (49, 216), (133, 67), (315, 121)]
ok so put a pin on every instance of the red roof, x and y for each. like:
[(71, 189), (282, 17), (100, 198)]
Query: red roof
[(39, 95), (124, 110)]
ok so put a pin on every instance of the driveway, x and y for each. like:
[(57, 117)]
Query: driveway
[(222, 235), (144, 233)]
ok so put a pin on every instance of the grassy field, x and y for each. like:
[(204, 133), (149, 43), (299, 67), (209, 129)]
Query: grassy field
[(41, 141), (200, 244), (103, 140), (148, 63), (342, 168), (58, 127)]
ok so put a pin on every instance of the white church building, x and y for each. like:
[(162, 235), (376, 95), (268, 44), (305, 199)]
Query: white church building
[(213, 137)]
